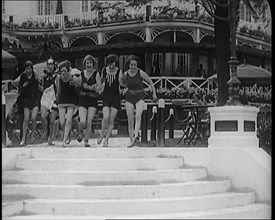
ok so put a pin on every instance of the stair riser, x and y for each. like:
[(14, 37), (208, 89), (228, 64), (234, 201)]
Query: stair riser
[(89, 153), (100, 164), (117, 192), (263, 212), (134, 207), (96, 178)]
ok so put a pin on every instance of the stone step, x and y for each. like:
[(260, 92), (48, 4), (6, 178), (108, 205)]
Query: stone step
[(89, 153), (89, 178), (250, 211), (19, 192), (135, 206), (110, 164)]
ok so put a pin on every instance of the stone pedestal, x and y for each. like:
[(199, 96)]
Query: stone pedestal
[(233, 126)]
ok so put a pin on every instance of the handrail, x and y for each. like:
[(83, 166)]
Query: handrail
[(170, 83)]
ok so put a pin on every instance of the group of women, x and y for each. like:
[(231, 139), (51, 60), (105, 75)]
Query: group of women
[(62, 91)]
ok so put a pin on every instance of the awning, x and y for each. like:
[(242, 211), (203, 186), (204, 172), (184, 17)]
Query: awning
[(249, 75), (10, 39), (9, 65)]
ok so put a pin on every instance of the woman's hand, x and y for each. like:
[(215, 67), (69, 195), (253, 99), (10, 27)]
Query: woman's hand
[(86, 86), (40, 87), (155, 98), (26, 84)]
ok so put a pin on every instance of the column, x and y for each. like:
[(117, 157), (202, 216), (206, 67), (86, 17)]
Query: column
[(100, 39)]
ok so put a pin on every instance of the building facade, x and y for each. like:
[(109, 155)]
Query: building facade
[(176, 35)]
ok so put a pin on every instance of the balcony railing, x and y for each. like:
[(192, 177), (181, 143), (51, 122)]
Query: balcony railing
[(183, 87)]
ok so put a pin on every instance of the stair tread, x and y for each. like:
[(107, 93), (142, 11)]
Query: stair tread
[(204, 196), (197, 182), (106, 171), (189, 214)]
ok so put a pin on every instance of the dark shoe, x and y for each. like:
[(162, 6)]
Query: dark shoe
[(50, 142), (86, 143), (79, 138), (136, 139)]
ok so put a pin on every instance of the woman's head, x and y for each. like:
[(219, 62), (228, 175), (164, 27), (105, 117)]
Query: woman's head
[(111, 60), (89, 62), (50, 64), (64, 67), (28, 66), (132, 62)]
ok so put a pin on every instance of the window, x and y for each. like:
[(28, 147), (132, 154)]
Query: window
[(47, 7), (248, 15), (3, 6), (84, 5), (158, 58), (44, 7), (241, 11), (40, 7), (245, 13)]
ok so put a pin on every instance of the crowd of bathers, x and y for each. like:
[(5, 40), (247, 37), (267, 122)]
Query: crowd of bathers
[(63, 89)]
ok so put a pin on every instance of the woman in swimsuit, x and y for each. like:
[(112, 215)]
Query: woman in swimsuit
[(111, 97), (88, 82), (66, 99), (30, 91), (135, 96)]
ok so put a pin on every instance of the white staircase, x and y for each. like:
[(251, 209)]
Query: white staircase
[(99, 183)]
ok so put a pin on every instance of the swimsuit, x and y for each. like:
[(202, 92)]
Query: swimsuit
[(30, 94), (111, 95), (135, 91), (88, 98)]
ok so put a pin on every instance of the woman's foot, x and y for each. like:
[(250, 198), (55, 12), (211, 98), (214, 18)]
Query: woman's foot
[(86, 143), (50, 142), (105, 143), (32, 139), (136, 139), (44, 136), (132, 143), (99, 140), (22, 143), (68, 141), (65, 145), (79, 138)]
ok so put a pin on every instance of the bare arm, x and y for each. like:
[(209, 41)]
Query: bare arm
[(57, 85), (122, 79), (147, 78)]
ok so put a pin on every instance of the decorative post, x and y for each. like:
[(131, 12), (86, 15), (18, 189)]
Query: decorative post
[(144, 124), (171, 123), (233, 81), (233, 125), (161, 124), (154, 123), (4, 140)]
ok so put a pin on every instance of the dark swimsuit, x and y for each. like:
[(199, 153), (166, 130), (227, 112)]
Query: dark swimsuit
[(111, 95), (67, 96), (88, 98), (30, 94), (135, 91)]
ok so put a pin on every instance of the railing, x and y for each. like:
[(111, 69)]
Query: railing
[(172, 83)]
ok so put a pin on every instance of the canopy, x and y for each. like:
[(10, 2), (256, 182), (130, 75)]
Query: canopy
[(9, 65), (249, 75)]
